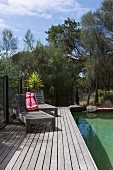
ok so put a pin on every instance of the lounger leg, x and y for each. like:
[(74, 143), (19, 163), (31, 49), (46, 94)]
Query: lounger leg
[(28, 129), (56, 112), (53, 124)]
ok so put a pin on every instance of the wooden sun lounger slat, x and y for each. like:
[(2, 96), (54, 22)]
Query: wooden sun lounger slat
[(39, 95), (32, 117)]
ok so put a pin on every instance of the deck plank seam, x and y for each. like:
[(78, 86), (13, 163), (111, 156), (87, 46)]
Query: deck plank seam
[(40, 147), (52, 151), (4, 131), (7, 144), (41, 157), (48, 154), (31, 152), (45, 150), (37, 137), (15, 147), (36, 152), (22, 164), (7, 137), (34, 146), (22, 148), (22, 155)]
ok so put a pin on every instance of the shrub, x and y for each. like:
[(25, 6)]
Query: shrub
[(34, 82)]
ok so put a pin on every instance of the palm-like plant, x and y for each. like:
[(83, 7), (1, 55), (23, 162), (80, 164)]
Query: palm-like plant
[(34, 82)]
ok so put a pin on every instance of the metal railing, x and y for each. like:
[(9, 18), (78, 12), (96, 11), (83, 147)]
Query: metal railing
[(8, 87)]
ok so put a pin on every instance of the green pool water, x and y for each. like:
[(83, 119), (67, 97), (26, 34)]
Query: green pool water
[(97, 131)]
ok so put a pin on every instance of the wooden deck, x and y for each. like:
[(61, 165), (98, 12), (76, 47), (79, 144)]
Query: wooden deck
[(63, 149)]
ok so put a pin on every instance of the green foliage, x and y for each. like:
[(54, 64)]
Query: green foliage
[(67, 37), (100, 93), (105, 98), (8, 44), (34, 82), (98, 46), (27, 61), (29, 41), (8, 68), (109, 96)]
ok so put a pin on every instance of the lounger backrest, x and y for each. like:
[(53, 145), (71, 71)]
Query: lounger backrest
[(40, 97), (21, 102)]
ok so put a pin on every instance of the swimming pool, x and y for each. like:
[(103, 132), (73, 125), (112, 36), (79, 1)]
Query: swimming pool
[(97, 131)]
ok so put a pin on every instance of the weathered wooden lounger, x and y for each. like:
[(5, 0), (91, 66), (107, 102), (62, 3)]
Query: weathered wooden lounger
[(32, 117), (43, 106)]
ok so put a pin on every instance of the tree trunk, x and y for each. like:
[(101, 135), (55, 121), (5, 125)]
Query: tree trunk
[(89, 94), (77, 96)]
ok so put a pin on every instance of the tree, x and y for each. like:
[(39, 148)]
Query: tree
[(29, 41), (97, 41), (67, 37), (106, 17), (8, 45), (23, 60), (60, 76), (8, 68)]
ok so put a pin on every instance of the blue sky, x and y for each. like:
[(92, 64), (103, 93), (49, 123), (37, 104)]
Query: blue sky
[(39, 15)]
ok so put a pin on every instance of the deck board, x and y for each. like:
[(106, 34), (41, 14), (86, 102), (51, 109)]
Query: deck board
[(61, 161), (54, 152), (78, 153), (41, 156), (67, 158), (47, 158), (86, 155), (72, 151), (43, 149), (34, 159)]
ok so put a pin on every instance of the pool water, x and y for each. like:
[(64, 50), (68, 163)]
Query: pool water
[(97, 131)]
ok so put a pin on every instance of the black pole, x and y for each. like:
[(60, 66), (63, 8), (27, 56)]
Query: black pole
[(6, 101), (20, 86)]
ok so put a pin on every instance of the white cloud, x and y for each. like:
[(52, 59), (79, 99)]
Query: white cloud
[(41, 8), (3, 25)]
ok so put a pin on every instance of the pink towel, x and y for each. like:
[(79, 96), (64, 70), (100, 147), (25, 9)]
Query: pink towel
[(33, 102), (30, 101)]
